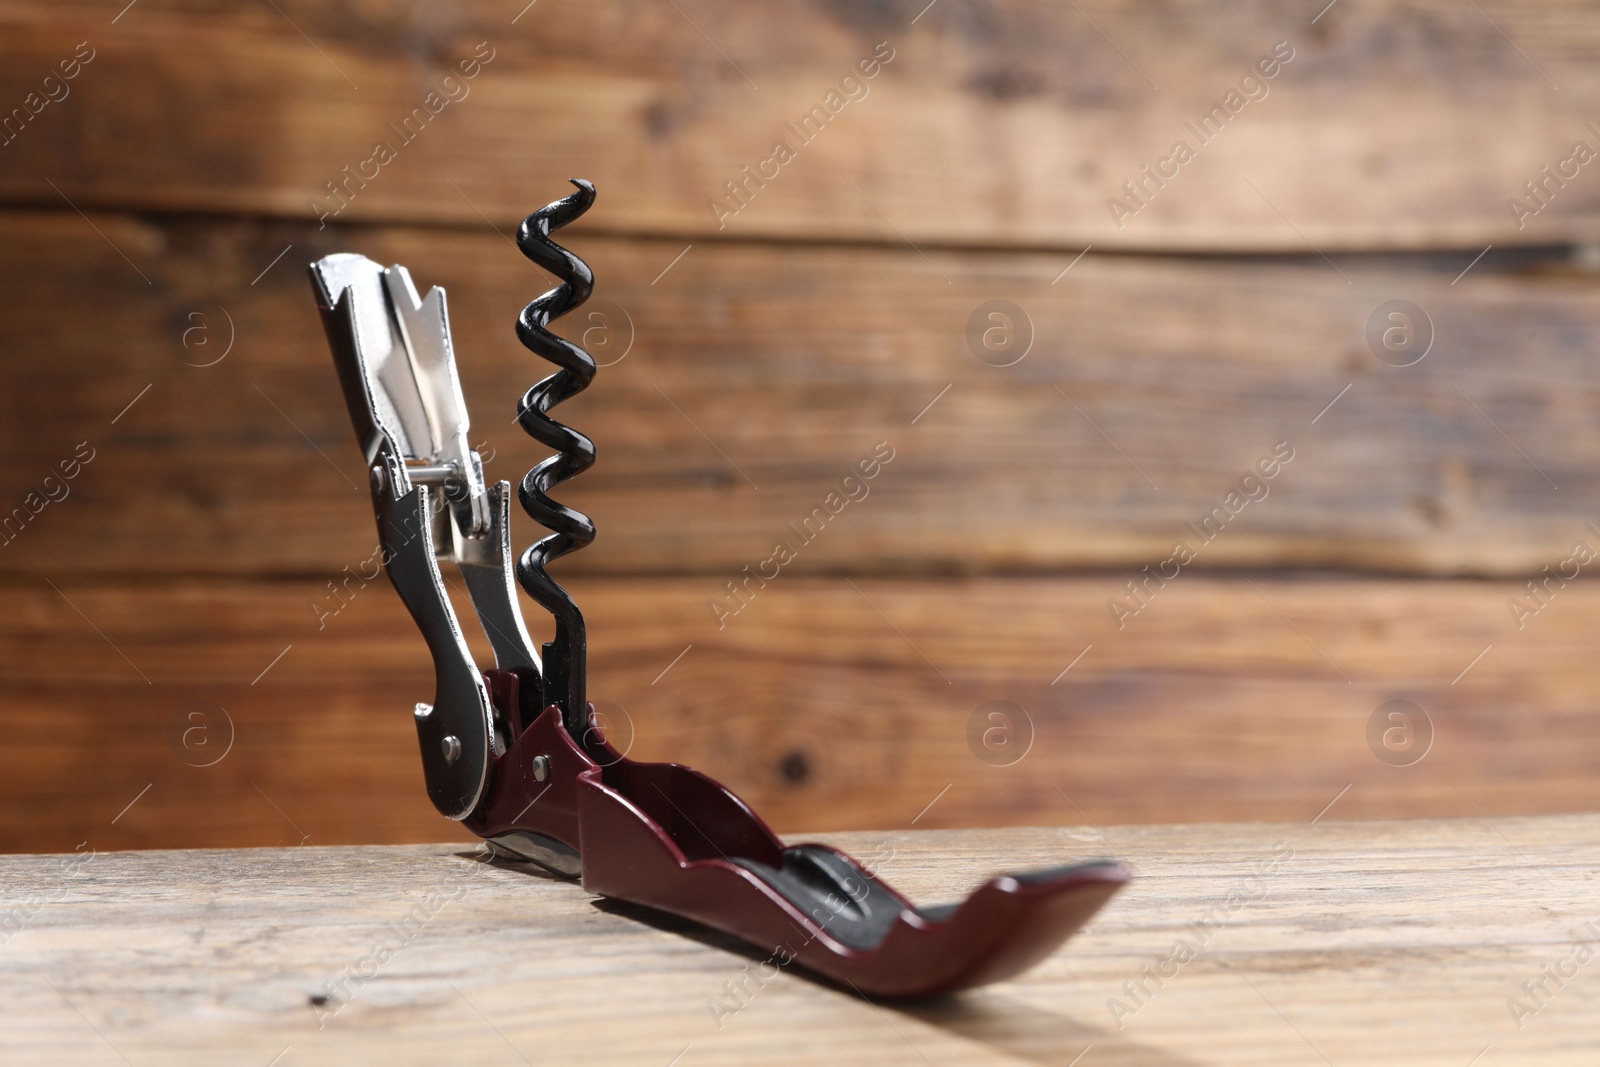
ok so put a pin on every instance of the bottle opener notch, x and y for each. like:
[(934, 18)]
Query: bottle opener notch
[(516, 753)]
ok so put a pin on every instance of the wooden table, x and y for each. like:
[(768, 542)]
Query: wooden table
[(1334, 943)]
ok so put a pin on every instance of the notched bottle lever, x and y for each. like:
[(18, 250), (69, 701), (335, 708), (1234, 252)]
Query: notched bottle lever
[(516, 753), (395, 362)]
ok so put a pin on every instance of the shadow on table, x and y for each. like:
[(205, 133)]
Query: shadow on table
[(677, 924), (1033, 1034), (529, 868), (984, 1017)]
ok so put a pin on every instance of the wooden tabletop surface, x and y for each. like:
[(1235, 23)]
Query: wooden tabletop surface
[(1333, 943)]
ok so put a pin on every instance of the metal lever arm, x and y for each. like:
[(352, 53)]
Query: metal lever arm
[(396, 366)]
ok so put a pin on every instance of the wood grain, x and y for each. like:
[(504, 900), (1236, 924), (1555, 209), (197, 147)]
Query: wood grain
[(1384, 943), (158, 219), (1011, 123), (1152, 387), (822, 703)]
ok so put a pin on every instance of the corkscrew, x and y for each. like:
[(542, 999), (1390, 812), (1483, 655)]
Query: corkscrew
[(570, 530), (515, 752)]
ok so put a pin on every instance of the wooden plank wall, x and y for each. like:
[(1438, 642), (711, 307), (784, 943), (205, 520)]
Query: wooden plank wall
[(159, 206)]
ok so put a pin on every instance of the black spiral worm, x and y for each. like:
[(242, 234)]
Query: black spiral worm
[(565, 657)]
